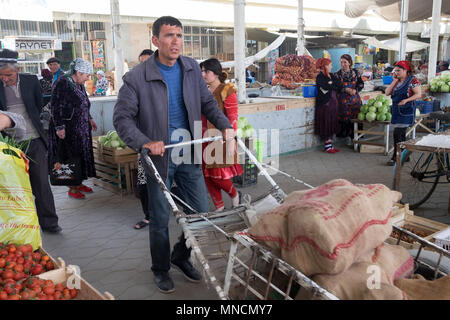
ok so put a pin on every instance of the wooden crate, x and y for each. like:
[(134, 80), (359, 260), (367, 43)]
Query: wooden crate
[(111, 155), (109, 176), (371, 149), (399, 212), (425, 228), (66, 275)]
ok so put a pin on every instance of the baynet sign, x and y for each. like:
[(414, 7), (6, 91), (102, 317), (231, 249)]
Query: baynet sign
[(31, 45), (35, 45)]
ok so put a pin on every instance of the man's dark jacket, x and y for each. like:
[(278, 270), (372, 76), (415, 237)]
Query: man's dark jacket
[(141, 114), (31, 92)]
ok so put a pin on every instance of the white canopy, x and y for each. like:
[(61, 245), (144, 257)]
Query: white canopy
[(391, 9), (394, 44)]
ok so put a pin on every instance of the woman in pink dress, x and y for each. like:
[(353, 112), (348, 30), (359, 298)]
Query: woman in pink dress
[(217, 170)]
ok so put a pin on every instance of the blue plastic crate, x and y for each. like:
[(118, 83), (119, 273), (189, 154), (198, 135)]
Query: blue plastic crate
[(309, 91), (387, 79), (425, 106)]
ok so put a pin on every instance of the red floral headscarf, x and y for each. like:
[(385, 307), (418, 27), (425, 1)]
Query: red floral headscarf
[(404, 64), (321, 63)]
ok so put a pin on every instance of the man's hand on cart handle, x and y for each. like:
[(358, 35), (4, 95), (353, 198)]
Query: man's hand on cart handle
[(155, 147)]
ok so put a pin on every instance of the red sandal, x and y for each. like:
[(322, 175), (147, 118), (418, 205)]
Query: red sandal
[(86, 189), (77, 194)]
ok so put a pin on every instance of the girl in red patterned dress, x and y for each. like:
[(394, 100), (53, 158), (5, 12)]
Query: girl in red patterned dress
[(218, 172)]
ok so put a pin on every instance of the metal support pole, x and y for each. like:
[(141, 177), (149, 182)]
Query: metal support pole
[(239, 48), (403, 29), (117, 42), (300, 30), (434, 39)]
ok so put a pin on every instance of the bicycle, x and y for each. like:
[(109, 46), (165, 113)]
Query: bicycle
[(421, 171)]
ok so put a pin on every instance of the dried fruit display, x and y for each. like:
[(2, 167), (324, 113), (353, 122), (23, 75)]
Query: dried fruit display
[(292, 70)]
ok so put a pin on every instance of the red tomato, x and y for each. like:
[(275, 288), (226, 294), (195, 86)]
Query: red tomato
[(58, 295), (18, 287), (9, 289), (36, 256), (32, 294), (73, 293), (50, 297), (42, 296), (59, 287), (19, 276), (10, 265), (8, 274), (25, 295), (12, 249), (18, 268), (49, 283), (20, 260), (30, 247), (2, 262), (49, 290), (3, 295), (23, 249), (36, 270), (14, 297), (36, 289), (49, 266)]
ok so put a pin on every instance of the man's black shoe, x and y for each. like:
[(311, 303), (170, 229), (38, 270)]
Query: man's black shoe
[(188, 270), (55, 230), (164, 282)]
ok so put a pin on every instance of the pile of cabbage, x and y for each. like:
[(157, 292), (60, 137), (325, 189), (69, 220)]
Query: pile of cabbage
[(112, 140), (378, 109), (244, 129), (441, 83)]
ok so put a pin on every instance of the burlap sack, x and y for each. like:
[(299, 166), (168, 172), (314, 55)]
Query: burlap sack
[(357, 283), (418, 288), (326, 229), (395, 260)]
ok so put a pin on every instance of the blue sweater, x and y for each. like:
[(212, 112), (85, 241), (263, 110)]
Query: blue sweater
[(178, 117)]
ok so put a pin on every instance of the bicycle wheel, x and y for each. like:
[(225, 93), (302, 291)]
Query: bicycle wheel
[(419, 177)]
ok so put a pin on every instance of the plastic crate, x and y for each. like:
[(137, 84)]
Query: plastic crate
[(249, 176), (442, 239), (425, 106), (309, 91), (387, 79)]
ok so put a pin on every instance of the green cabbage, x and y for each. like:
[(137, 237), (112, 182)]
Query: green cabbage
[(242, 122)]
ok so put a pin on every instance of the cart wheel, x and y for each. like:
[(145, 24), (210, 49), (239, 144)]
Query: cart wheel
[(419, 177)]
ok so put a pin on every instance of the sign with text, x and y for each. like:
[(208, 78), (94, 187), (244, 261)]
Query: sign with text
[(33, 45)]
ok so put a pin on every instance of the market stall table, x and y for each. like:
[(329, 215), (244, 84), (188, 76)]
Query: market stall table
[(359, 134)]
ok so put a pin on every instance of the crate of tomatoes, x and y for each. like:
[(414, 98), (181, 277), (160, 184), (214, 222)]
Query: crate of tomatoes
[(34, 275)]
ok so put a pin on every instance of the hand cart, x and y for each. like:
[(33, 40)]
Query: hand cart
[(235, 265)]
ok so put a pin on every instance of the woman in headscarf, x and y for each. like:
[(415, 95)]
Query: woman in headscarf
[(348, 97), (218, 173), (102, 84), (326, 112), (72, 122), (404, 90)]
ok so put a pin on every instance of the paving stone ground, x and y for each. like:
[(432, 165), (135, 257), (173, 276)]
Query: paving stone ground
[(99, 237)]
